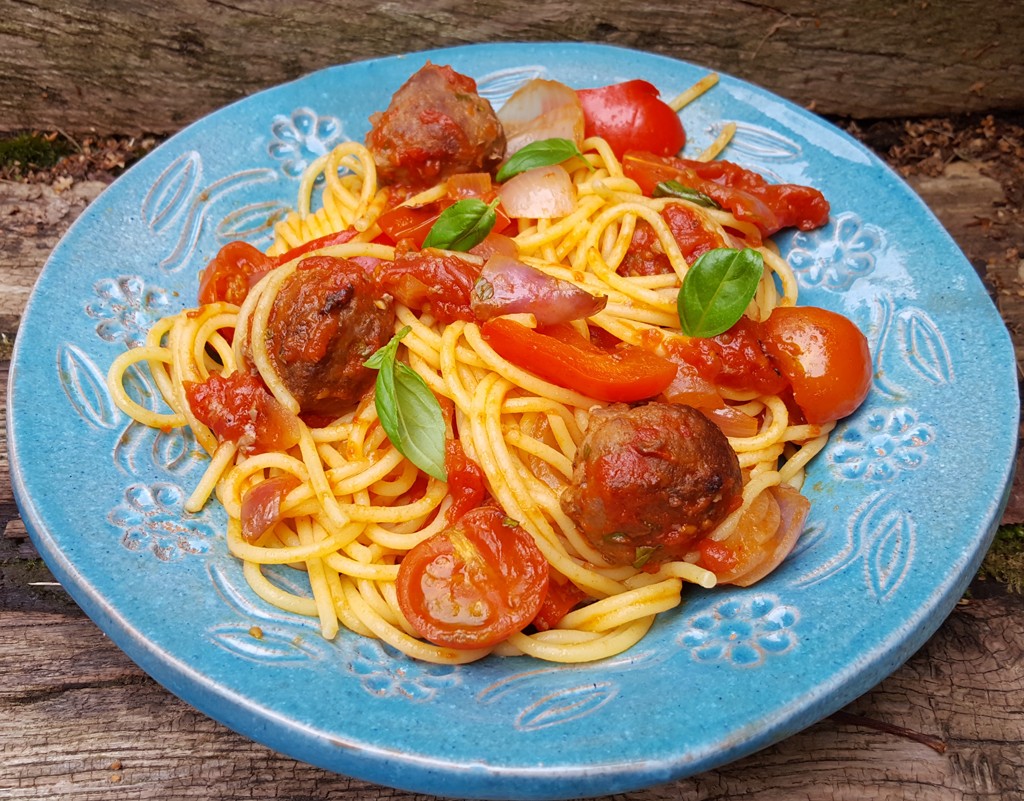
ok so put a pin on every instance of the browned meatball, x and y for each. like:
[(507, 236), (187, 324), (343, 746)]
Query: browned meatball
[(436, 125), (326, 321), (649, 481)]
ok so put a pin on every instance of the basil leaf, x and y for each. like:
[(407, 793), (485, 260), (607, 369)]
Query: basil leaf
[(717, 289), (541, 153), (408, 411), (463, 225), (676, 189)]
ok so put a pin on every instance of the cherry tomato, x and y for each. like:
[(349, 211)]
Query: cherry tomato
[(646, 255), (631, 116), (474, 584), (560, 355), (230, 274), (825, 357), (442, 284)]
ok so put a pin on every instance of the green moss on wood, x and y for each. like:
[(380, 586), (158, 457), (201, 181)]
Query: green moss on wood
[(32, 151), (1004, 561)]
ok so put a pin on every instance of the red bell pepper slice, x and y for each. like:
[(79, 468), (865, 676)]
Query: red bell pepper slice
[(560, 355)]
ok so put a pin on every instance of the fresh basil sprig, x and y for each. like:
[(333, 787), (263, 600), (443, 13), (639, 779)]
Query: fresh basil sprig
[(408, 410), (676, 189), (542, 153), (463, 225), (717, 289)]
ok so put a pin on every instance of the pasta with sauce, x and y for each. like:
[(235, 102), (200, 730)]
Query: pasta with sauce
[(309, 476)]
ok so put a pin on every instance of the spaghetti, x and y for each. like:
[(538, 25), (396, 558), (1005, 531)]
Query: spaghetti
[(349, 506)]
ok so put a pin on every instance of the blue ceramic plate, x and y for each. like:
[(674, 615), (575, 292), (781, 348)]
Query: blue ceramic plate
[(905, 498)]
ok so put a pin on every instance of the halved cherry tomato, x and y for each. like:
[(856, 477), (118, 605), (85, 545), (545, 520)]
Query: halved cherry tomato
[(230, 274), (824, 356), (646, 256), (631, 116), (560, 355), (440, 283), (743, 192), (474, 584)]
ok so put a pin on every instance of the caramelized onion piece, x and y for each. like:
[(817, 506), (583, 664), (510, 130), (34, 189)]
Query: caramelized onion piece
[(508, 286), (792, 510), (541, 109), (261, 505), (539, 193)]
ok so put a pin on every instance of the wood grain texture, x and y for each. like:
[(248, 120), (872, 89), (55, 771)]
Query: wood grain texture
[(118, 66)]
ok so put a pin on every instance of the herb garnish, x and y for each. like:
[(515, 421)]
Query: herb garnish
[(676, 189), (717, 289), (408, 411), (542, 153), (463, 225)]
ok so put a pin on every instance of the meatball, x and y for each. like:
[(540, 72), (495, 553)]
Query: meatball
[(649, 481), (326, 320), (436, 125)]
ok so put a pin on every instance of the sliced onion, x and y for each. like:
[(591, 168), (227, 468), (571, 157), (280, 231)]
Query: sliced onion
[(689, 388), (793, 508), (539, 193), (507, 286), (495, 244), (541, 109), (469, 184), (261, 505)]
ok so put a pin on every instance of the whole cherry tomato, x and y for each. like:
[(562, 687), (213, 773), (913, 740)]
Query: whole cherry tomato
[(631, 116), (825, 357), (474, 584)]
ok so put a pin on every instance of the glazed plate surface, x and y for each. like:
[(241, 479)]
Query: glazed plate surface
[(904, 500)]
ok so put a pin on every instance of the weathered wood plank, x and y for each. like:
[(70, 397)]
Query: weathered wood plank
[(85, 724), (103, 66)]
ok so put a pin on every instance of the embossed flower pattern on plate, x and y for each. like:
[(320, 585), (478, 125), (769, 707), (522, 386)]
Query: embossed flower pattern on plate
[(742, 631), (834, 257), (125, 308), (302, 137), (881, 444), (151, 517)]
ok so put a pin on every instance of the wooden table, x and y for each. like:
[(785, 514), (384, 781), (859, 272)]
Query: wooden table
[(79, 721)]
